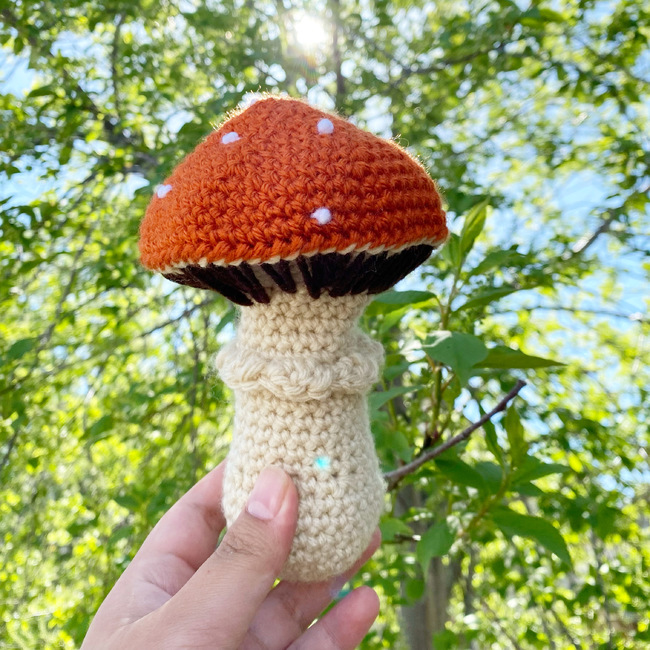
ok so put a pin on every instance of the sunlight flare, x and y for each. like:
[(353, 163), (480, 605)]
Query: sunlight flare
[(310, 32)]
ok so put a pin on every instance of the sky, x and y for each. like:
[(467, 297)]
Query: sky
[(575, 195), (581, 192)]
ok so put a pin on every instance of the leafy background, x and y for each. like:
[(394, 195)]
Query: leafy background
[(532, 116)]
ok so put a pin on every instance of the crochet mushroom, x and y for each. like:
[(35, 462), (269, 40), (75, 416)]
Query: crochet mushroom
[(299, 217)]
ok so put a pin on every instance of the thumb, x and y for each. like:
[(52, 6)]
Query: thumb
[(221, 599)]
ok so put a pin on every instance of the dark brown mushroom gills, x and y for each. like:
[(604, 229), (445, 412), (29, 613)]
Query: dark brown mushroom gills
[(338, 274)]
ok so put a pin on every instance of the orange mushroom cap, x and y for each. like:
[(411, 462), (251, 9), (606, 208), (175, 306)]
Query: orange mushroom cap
[(282, 179)]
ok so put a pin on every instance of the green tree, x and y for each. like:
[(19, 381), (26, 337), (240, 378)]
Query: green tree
[(528, 532)]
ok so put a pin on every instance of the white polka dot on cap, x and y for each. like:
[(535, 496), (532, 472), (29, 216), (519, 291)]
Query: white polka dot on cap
[(230, 137), (322, 215), (163, 190), (325, 126)]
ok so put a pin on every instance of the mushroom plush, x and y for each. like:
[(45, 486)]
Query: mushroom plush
[(299, 217)]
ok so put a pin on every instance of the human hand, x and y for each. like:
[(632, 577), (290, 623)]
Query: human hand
[(178, 592)]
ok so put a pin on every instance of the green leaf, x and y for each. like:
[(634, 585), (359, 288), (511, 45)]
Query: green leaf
[(502, 356), (607, 521), (120, 533), (515, 431), (486, 296), (451, 251), (434, 543), (473, 226), (491, 439), (491, 474), (379, 399), (127, 501), (544, 533), (493, 260), (192, 130), (390, 301), (42, 91), (20, 348), (460, 473), (100, 429), (226, 319), (391, 318), (528, 489), (532, 469), (400, 446), (457, 350), (64, 154), (445, 640), (551, 16), (404, 297), (414, 589), (395, 370), (391, 527)]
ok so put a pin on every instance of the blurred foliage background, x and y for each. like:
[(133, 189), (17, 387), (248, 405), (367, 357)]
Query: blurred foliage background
[(532, 117)]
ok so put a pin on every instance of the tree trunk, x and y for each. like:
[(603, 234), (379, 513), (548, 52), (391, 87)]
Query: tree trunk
[(427, 617)]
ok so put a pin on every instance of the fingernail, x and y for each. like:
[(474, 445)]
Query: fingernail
[(266, 498), (337, 586)]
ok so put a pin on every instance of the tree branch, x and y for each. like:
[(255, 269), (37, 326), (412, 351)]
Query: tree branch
[(117, 35), (605, 58), (46, 336), (586, 242), (114, 136), (336, 53), (636, 317), (10, 447), (186, 312), (442, 63), (564, 629), (497, 622), (394, 477), (603, 591)]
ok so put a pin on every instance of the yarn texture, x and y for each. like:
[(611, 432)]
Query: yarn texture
[(298, 216), (300, 369), (266, 195)]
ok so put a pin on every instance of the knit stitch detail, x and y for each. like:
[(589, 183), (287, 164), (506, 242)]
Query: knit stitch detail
[(305, 378), (300, 369), (252, 198)]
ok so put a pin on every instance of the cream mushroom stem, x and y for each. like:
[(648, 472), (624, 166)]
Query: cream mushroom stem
[(300, 369)]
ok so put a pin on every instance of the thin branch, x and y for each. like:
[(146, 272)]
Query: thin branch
[(394, 477), (10, 448), (74, 270), (117, 35), (635, 317), (437, 66), (441, 64), (192, 400), (118, 138), (118, 345), (565, 629), (604, 58), (336, 53), (587, 241), (547, 630), (603, 591), (46, 336), (497, 622), (171, 321)]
